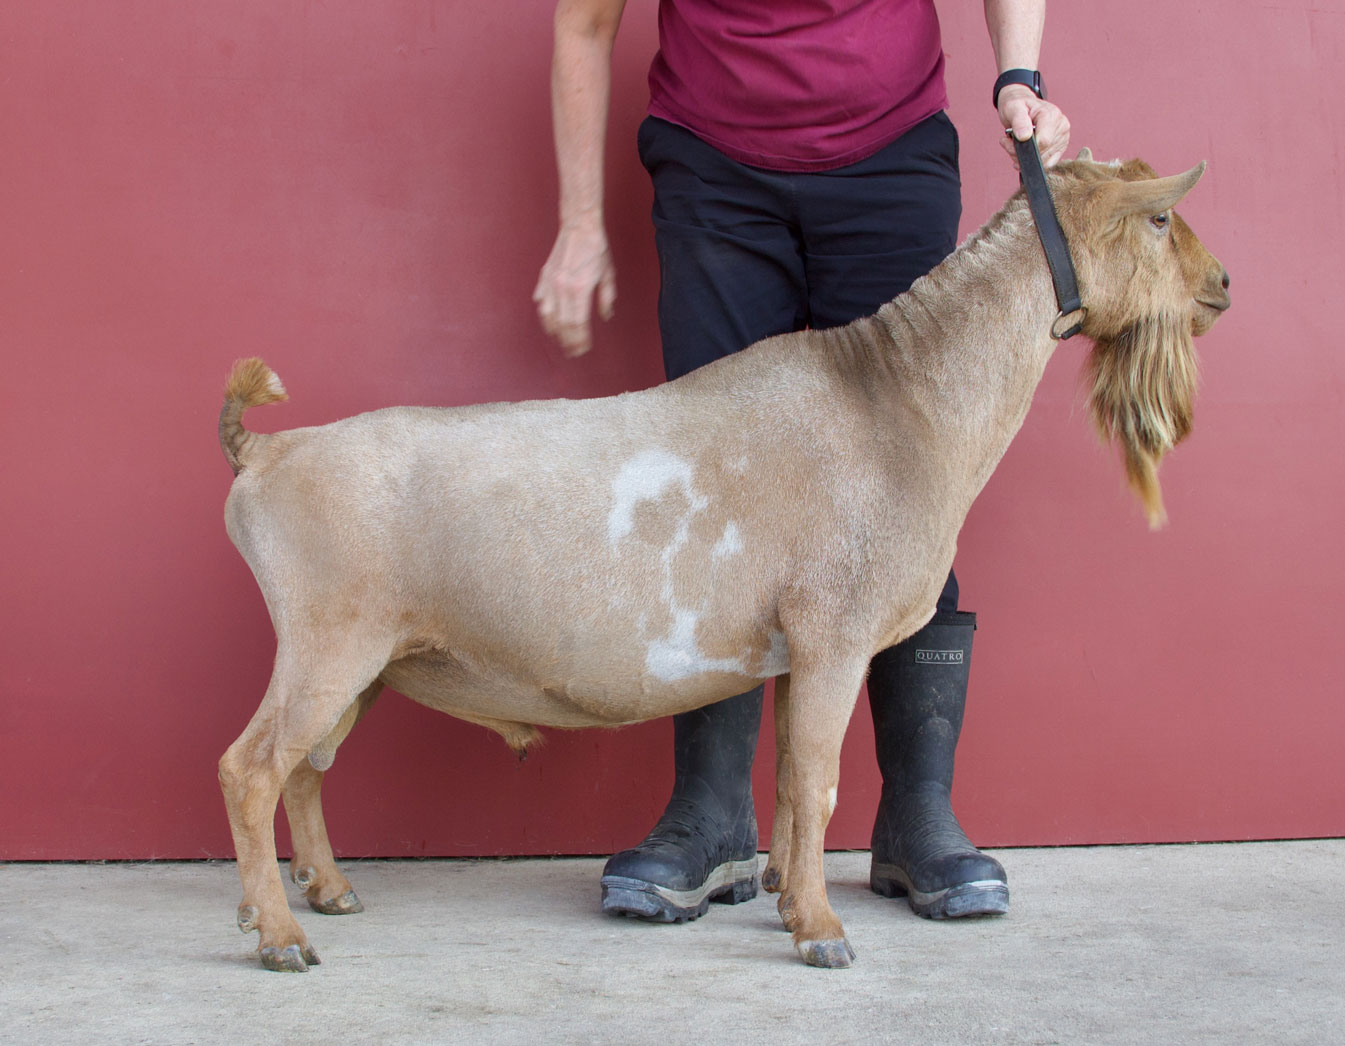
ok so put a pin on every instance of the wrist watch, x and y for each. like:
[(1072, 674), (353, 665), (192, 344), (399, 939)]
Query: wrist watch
[(1027, 77)]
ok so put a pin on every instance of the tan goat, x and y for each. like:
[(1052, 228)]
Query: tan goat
[(788, 511)]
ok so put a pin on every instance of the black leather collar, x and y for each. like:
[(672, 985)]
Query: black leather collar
[(1052, 238)]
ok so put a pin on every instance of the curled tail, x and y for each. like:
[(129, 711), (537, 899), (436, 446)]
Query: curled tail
[(251, 384)]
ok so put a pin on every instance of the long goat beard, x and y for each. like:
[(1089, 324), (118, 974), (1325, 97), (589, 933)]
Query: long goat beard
[(1143, 390)]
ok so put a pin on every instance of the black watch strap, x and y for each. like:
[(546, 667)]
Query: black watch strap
[(1027, 77)]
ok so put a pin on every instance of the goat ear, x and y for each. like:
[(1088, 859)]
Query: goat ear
[(1152, 195), (1085, 154)]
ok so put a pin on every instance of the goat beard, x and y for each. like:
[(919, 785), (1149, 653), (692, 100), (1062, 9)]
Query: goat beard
[(1143, 390)]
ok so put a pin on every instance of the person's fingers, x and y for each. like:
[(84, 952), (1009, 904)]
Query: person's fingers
[(1052, 129), (546, 303), (1015, 110), (1025, 117), (1022, 126), (607, 294), (570, 323), (578, 270), (574, 341)]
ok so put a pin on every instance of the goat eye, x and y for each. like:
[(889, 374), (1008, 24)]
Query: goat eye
[(1160, 221)]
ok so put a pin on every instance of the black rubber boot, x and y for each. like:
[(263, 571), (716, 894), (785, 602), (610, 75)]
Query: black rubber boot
[(917, 691), (704, 847)]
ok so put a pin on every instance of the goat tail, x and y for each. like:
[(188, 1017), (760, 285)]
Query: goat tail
[(251, 384)]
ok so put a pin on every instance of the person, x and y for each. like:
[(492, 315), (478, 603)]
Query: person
[(805, 172)]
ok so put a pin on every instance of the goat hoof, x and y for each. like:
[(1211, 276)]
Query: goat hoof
[(771, 880), (346, 904), (305, 877), (834, 954), (247, 917), (292, 959)]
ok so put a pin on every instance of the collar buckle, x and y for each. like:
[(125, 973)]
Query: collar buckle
[(1060, 333)]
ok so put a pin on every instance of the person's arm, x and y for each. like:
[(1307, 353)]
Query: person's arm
[(580, 262), (1015, 34)]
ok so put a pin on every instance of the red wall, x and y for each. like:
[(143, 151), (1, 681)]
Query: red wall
[(362, 191)]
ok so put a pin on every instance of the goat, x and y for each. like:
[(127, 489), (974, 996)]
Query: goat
[(785, 512)]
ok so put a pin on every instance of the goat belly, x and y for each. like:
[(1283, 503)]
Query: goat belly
[(598, 683)]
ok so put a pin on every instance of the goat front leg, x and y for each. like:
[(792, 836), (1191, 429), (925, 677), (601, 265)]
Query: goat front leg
[(819, 704), (313, 867), (775, 879)]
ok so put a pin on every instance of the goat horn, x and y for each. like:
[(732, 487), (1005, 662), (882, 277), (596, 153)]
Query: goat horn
[(1152, 195), (1085, 154)]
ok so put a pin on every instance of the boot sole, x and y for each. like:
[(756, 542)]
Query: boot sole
[(730, 883), (982, 897)]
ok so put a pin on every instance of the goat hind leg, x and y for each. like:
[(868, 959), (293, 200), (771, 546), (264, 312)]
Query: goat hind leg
[(313, 867), (292, 718)]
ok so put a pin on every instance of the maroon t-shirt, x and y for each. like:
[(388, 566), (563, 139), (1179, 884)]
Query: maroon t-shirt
[(797, 85)]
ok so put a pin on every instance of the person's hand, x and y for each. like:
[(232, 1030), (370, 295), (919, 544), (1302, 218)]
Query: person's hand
[(580, 264), (1022, 113)]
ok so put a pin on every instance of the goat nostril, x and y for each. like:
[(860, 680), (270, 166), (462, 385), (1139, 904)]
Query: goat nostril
[(1225, 280)]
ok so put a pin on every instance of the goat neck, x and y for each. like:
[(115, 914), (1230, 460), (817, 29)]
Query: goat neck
[(964, 349)]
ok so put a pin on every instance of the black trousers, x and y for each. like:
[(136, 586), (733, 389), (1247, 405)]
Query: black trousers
[(745, 253)]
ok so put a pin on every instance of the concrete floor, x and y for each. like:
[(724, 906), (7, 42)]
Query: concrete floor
[(1240, 943)]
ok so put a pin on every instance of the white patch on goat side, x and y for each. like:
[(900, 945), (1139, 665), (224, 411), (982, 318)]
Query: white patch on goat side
[(729, 544), (645, 477), (649, 476), (831, 800), (677, 656)]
